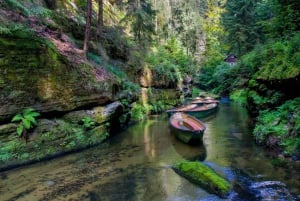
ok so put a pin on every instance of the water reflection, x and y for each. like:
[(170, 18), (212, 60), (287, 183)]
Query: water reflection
[(135, 165)]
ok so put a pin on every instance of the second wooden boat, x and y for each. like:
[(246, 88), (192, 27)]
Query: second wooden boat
[(182, 108), (203, 101), (203, 110)]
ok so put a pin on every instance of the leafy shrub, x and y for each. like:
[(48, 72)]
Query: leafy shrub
[(169, 63), (138, 112), (88, 123), (282, 124), (40, 11), (239, 96), (17, 6), (195, 91), (16, 30), (27, 120)]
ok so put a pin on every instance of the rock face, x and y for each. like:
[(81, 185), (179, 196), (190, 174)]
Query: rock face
[(64, 88), (34, 74), (53, 137), (149, 78)]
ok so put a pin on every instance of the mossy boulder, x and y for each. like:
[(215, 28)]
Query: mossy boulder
[(51, 138), (99, 114), (203, 176)]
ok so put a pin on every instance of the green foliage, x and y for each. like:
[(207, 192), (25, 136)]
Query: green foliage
[(256, 70), (291, 145), (141, 18), (27, 119), (195, 92), (130, 86), (11, 149), (257, 99), (36, 11), (282, 18), (273, 61), (16, 30), (4, 30), (280, 61), (283, 124), (88, 123), (169, 63), (157, 107), (239, 96), (138, 112), (17, 6), (220, 78), (240, 23), (278, 162), (39, 11)]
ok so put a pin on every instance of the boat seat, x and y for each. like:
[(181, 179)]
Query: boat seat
[(193, 125)]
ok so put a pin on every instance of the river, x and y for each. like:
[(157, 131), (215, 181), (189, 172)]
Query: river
[(135, 165)]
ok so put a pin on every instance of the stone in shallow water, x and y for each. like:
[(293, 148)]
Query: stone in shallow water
[(271, 190)]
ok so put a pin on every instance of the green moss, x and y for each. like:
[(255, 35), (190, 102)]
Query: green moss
[(48, 141), (204, 176)]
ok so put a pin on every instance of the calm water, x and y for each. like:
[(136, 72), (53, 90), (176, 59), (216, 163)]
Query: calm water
[(135, 165)]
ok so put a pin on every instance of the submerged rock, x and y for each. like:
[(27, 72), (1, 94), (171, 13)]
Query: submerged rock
[(271, 190)]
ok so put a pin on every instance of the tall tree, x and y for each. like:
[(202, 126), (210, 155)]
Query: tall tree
[(214, 31), (239, 21), (287, 17), (100, 18), (87, 28), (141, 17)]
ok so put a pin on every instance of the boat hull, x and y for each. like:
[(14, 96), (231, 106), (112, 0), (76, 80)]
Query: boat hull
[(184, 108), (202, 114), (188, 137), (187, 128)]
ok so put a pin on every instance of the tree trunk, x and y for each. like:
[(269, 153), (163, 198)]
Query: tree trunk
[(100, 24), (100, 18), (156, 20), (87, 28)]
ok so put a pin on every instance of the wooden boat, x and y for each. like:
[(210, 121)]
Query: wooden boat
[(187, 128), (181, 109), (201, 102), (203, 110)]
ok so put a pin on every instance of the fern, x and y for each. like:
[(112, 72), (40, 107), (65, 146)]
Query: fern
[(27, 120)]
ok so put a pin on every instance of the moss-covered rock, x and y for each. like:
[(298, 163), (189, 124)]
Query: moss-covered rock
[(152, 78), (34, 74), (99, 114), (204, 176), (49, 139)]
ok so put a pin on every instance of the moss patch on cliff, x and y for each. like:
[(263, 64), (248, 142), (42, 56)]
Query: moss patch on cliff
[(51, 138), (204, 176), (35, 74)]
